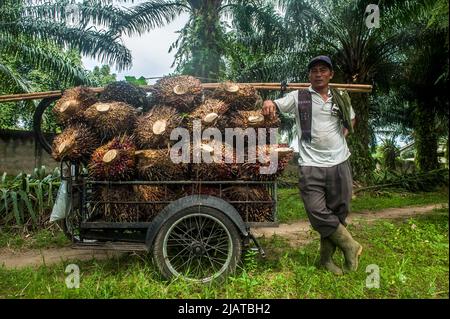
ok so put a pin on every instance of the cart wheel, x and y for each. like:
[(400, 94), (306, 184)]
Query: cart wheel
[(69, 226), (198, 244)]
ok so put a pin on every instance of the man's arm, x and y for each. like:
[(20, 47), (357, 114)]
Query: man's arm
[(346, 130), (286, 104)]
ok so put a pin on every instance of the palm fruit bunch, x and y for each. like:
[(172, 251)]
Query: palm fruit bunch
[(75, 143), (242, 97), (201, 189), (211, 113), (70, 107), (255, 119), (150, 194), (138, 145), (114, 161), (181, 92), (216, 161), (110, 208), (259, 165), (153, 128), (123, 91), (138, 203), (111, 119), (156, 165), (251, 212)]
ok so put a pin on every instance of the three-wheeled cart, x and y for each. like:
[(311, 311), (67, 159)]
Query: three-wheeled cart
[(198, 237)]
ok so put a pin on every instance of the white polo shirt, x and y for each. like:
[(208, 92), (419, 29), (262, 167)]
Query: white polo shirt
[(328, 146)]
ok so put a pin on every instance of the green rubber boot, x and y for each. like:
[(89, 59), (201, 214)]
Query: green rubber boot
[(350, 247), (327, 249)]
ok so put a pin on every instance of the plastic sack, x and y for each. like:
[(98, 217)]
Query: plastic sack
[(62, 203)]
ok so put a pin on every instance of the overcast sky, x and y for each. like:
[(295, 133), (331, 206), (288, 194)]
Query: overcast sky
[(149, 51)]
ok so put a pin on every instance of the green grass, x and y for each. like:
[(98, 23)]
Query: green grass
[(412, 255), (290, 208), (43, 238), (290, 205)]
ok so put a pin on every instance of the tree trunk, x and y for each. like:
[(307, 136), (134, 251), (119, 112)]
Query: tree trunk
[(207, 35), (426, 138), (361, 160)]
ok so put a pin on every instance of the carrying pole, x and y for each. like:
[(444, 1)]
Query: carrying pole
[(362, 88)]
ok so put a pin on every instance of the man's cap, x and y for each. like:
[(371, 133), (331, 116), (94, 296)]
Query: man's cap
[(320, 58)]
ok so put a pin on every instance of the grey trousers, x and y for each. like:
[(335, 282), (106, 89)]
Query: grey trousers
[(326, 194)]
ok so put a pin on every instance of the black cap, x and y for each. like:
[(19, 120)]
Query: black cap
[(320, 58)]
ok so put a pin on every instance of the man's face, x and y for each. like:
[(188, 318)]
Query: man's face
[(320, 75)]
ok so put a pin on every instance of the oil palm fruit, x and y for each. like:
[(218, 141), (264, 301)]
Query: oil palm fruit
[(156, 165), (242, 97), (70, 107), (114, 161), (152, 195), (211, 113), (255, 210), (153, 129), (111, 119), (260, 159), (215, 161), (181, 92), (112, 206), (123, 91), (75, 143), (255, 119)]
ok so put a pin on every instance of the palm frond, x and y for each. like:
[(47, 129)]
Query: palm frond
[(12, 82), (102, 45), (150, 15), (45, 60), (96, 12)]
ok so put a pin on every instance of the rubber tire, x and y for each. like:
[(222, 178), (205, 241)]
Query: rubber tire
[(68, 230), (232, 229)]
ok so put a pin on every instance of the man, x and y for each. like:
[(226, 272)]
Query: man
[(324, 118)]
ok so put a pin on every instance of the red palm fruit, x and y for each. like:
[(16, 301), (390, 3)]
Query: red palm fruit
[(114, 161)]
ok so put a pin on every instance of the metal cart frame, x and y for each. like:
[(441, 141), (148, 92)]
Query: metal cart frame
[(178, 226)]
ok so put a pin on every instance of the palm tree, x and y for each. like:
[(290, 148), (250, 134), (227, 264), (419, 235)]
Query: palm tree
[(269, 44), (361, 55), (426, 73), (428, 89), (39, 34), (205, 40)]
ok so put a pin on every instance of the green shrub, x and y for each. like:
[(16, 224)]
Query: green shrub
[(27, 199)]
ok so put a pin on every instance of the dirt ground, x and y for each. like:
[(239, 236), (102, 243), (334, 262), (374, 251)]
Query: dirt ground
[(298, 233)]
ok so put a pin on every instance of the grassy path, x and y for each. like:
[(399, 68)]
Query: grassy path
[(301, 232), (296, 234), (410, 255)]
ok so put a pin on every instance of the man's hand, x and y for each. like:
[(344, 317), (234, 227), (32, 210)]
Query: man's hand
[(269, 109), (345, 131)]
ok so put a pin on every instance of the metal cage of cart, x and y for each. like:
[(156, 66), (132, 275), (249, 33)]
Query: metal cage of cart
[(196, 236)]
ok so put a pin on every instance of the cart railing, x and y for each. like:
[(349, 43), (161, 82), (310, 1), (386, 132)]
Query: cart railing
[(92, 204)]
